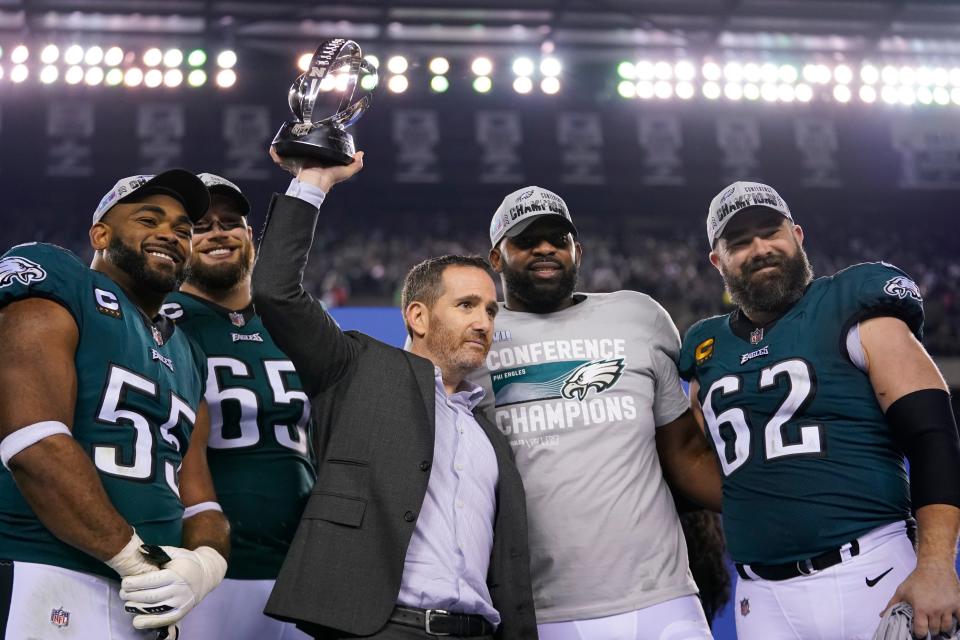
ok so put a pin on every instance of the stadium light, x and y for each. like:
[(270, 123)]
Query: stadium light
[(113, 57), (711, 90), (645, 89), (524, 85), (869, 74), (49, 55), (482, 84), (94, 76), (684, 90), (133, 77), (663, 89), (93, 56), (152, 57), (398, 84), (114, 77), (842, 94), (173, 78), (369, 82), (373, 60), (769, 92), (227, 59), (19, 73), (803, 92), (786, 93), (924, 95), (626, 70), (788, 73), (303, 62), (525, 67), (751, 91), (906, 96), (908, 75), (226, 78), (19, 55), (625, 88), (663, 70), (752, 73), (1, 72), (868, 94), (769, 73), (733, 72), (439, 66), (550, 85), (551, 67), (74, 75), (843, 74), (153, 78), (955, 95), (197, 78), (49, 74), (941, 96), (684, 70), (439, 84), (733, 91), (173, 58), (889, 94), (73, 55), (711, 71), (481, 66), (197, 58), (644, 70), (397, 65)]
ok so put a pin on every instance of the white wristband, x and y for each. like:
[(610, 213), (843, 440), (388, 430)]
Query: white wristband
[(29, 436), (194, 509)]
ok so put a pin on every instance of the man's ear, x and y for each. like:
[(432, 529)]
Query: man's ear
[(100, 236), (417, 317), (496, 259)]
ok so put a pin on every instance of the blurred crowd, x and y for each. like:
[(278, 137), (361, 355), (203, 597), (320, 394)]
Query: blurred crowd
[(354, 266)]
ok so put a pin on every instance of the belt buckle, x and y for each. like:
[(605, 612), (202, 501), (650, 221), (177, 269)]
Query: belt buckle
[(805, 567), (426, 617)]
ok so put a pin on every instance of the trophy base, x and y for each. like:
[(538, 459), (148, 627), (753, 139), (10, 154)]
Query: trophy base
[(327, 145)]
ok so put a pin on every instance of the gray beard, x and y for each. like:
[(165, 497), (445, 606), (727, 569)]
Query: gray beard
[(774, 295)]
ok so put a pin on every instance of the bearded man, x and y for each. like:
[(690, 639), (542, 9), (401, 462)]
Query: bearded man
[(813, 391)]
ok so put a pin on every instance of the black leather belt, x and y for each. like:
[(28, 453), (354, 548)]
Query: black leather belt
[(438, 622), (799, 568)]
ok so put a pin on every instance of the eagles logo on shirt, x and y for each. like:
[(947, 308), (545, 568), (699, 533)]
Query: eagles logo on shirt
[(901, 287), (599, 375), (17, 269)]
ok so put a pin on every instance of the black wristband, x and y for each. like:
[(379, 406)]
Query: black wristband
[(924, 425)]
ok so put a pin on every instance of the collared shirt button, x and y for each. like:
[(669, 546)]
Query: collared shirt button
[(460, 503), (459, 467), (409, 516)]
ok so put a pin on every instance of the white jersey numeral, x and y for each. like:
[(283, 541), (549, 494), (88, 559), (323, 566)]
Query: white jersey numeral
[(108, 458), (734, 451), (291, 436)]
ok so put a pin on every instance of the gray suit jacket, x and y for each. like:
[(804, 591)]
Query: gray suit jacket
[(374, 409)]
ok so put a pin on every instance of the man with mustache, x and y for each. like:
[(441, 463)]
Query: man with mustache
[(585, 388), (812, 391), (416, 525), (260, 426), (103, 428)]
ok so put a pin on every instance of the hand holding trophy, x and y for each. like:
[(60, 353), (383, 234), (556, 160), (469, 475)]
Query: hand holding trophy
[(322, 102)]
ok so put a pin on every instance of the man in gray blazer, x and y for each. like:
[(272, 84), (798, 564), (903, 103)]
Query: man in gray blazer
[(416, 526)]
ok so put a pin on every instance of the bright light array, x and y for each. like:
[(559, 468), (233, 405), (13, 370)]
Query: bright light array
[(74, 75), (625, 88), (173, 78), (551, 67), (114, 77), (19, 73), (173, 58), (481, 66), (197, 58), (113, 57), (439, 66), (482, 84), (152, 57), (49, 74), (303, 62), (550, 85), (227, 59), (398, 84), (49, 55), (133, 77), (524, 85), (19, 55), (153, 78), (93, 56), (73, 55), (525, 67), (397, 65), (439, 84), (197, 78), (226, 78), (94, 76)]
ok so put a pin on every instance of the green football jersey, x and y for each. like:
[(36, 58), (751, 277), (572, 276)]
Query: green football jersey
[(260, 429), (808, 460), (139, 385)]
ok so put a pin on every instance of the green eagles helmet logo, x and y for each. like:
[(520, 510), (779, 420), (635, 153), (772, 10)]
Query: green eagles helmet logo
[(598, 374), (19, 269)]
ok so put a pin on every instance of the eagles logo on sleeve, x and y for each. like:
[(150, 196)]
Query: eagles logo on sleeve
[(19, 269), (599, 375), (901, 287)]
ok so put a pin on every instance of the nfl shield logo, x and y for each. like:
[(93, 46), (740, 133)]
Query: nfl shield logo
[(756, 336), (157, 336), (744, 606), (237, 319), (59, 617)]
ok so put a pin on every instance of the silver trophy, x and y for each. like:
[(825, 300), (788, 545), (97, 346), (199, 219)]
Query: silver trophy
[(323, 105)]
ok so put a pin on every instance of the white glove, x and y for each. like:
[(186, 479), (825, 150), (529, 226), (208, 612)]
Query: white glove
[(130, 561), (163, 597)]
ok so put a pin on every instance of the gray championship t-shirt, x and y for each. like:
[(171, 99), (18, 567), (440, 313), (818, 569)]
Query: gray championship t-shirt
[(579, 393)]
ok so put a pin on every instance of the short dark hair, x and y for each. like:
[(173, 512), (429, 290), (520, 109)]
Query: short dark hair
[(424, 281)]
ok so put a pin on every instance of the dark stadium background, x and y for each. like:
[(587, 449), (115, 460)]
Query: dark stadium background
[(867, 181)]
